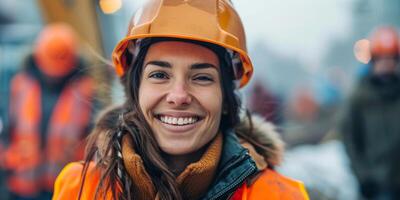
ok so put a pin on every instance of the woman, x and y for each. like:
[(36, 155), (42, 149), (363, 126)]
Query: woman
[(178, 135)]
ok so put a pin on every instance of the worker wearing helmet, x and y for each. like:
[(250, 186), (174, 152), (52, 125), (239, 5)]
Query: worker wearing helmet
[(385, 52), (178, 134), (370, 125), (50, 113)]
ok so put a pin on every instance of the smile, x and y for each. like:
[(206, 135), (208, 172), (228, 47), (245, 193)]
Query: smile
[(178, 121)]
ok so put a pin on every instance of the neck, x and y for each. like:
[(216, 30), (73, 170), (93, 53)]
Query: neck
[(178, 163)]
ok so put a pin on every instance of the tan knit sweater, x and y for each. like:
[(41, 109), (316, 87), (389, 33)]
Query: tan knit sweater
[(193, 181)]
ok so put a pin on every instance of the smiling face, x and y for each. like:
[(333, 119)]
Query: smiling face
[(180, 95)]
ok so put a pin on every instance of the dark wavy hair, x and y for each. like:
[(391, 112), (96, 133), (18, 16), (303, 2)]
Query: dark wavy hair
[(129, 119)]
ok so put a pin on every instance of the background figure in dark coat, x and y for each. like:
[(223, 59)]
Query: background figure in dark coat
[(370, 124), (265, 103)]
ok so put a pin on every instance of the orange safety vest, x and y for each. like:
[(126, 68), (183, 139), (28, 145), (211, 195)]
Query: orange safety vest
[(270, 185), (32, 168)]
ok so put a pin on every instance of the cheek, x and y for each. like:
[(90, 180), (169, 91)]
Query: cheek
[(148, 96), (212, 101)]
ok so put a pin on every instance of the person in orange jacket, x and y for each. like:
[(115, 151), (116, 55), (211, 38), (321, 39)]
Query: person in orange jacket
[(50, 114), (179, 134)]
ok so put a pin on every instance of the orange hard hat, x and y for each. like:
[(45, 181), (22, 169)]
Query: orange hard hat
[(211, 21), (384, 41), (55, 51)]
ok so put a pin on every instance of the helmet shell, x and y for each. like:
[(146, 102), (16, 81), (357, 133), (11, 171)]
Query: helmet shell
[(212, 21), (384, 42), (55, 50)]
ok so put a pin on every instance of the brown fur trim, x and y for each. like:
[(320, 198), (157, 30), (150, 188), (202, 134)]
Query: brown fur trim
[(263, 137)]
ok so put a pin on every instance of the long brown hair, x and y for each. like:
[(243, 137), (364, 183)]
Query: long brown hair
[(129, 119)]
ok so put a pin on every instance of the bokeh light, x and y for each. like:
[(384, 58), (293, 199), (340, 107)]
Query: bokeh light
[(362, 51), (110, 6)]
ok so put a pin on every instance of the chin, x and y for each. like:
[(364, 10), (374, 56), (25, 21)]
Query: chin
[(173, 150)]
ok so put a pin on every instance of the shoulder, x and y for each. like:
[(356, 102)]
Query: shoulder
[(270, 185), (279, 185), (69, 181), (22, 78), (85, 85)]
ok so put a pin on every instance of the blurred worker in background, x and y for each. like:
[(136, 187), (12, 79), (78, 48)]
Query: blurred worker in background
[(265, 103), (50, 113), (370, 124)]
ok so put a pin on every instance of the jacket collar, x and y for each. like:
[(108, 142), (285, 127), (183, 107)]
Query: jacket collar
[(235, 167)]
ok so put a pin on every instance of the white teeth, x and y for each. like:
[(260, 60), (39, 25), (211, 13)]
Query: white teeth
[(178, 120)]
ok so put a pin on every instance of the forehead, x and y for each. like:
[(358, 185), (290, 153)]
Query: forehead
[(175, 51)]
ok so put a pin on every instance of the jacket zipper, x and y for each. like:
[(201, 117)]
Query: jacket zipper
[(238, 181)]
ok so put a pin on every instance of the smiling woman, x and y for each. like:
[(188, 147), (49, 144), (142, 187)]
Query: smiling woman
[(179, 134), (180, 96)]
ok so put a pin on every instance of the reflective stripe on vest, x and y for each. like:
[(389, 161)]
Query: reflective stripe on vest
[(68, 122)]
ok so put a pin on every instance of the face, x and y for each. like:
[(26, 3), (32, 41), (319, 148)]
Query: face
[(180, 95), (384, 65)]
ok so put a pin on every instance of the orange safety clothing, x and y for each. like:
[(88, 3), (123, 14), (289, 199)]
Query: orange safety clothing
[(272, 186), (269, 185), (35, 166)]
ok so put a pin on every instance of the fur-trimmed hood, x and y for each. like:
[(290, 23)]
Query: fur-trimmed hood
[(262, 140)]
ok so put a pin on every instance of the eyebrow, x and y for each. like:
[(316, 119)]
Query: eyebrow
[(203, 66), (159, 63), (165, 64)]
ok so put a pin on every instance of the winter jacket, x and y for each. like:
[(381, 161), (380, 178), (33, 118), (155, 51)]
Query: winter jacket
[(371, 133), (243, 173)]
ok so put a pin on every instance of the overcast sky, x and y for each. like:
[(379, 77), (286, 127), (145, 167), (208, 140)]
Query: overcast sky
[(301, 28)]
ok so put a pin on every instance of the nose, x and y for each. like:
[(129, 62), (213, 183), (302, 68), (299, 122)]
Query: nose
[(179, 95)]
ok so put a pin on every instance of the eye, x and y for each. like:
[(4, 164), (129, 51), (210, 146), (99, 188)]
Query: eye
[(158, 75), (203, 78)]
